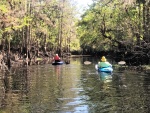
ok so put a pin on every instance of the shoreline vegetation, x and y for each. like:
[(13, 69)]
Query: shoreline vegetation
[(31, 31), (15, 61)]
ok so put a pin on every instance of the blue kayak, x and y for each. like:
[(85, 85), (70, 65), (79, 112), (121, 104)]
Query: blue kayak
[(104, 69), (58, 63)]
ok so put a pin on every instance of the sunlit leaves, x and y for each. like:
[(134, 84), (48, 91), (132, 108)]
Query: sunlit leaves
[(111, 21), (3, 8)]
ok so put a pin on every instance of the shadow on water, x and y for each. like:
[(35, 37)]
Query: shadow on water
[(73, 88)]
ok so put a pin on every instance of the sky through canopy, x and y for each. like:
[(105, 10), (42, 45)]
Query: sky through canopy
[(82, 5)]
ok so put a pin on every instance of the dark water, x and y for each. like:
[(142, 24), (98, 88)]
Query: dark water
[(73, 88)]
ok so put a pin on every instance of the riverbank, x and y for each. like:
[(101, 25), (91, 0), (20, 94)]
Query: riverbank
[(16, 62), (80, 56), (141, 68)]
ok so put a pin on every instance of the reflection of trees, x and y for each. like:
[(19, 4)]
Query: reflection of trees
[(129, 94), (125, 93), (15, 88), (45, 88), (146, 93), (77, 83)]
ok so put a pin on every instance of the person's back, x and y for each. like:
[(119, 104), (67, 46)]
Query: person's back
[(104, 63), (56, 58)]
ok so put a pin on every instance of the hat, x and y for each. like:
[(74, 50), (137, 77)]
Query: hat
[(103, 59)]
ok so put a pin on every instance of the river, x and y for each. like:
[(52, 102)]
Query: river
[(73, 88)]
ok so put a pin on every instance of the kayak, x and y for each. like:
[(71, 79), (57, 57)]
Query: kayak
[(58, 63), (104, 69)]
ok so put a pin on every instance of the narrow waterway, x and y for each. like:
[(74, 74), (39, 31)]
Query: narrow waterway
[(73, 88)]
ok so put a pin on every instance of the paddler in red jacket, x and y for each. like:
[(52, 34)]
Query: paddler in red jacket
[(56, 58)]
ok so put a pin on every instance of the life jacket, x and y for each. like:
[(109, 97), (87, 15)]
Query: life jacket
[(104, 64), (56, 58)]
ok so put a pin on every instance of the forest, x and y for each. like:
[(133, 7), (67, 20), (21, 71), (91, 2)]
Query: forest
[(34, 29), (117, 27)]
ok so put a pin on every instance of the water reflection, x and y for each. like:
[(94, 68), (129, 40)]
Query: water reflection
[(57, 70), (106, 77), (73, 88), (15, 90)]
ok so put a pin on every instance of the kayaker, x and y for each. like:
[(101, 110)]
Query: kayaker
[(56, 58), (104, 63)]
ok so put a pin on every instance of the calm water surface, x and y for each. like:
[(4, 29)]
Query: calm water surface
[(73, 88)]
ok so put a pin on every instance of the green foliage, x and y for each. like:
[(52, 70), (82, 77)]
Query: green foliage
[(109, 23), (52, 23), (46, 23), (3, 8)]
